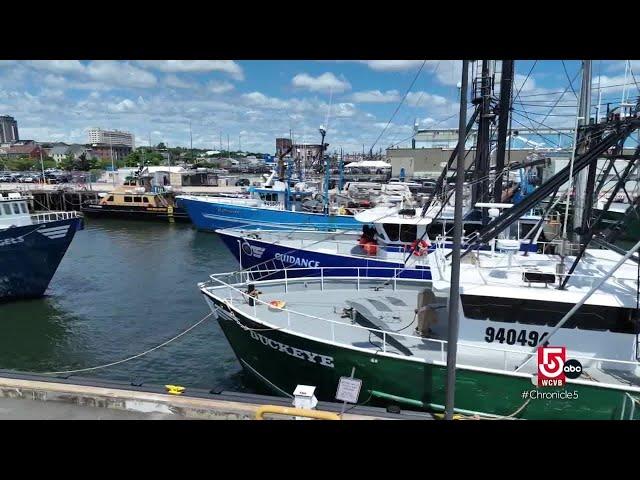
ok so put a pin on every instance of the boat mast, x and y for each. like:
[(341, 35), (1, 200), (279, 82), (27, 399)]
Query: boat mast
[(454, 291), (506, 84), (327, 171), (582, 201), (483, 146)]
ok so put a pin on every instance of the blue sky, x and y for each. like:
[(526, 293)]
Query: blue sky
[(58, 100)]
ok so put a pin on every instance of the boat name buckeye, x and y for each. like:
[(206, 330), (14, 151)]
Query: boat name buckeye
[(312, 357), (11, 241), (300, 262)]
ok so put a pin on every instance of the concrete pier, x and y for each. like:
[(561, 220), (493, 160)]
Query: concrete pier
[(24, 396)]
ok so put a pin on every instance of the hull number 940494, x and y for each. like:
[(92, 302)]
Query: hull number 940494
[(512, 336)]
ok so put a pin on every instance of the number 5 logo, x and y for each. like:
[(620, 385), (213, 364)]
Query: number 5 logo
[(551, 366)]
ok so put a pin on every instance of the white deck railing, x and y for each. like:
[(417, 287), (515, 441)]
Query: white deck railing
[(53, 216), (510, 358)]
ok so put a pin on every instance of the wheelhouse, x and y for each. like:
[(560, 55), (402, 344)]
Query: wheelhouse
[(14, 210)]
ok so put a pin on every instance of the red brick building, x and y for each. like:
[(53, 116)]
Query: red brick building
[(16, 151)]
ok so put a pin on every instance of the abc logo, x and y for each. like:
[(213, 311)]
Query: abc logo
[(572, 368)]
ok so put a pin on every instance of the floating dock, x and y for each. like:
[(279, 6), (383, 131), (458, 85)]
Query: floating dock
[(26, 396)]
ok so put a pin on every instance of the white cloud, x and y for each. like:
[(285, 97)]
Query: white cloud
[(121, 74), (392, 65), (196, 66), (125, 105), (376, 96), (322, 83), (259, 99), (424, 99), (177, 82), (343, 110), (220, 87), (59, 66), (523, 86)]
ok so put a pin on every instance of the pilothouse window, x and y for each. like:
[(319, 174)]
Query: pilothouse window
[(7, 209), (16, 208), (393, 231), (127, 199), (23, 207), (404, 232), (544, 313), (137, 199)]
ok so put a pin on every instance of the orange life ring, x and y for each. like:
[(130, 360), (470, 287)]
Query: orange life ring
[(420, 247)]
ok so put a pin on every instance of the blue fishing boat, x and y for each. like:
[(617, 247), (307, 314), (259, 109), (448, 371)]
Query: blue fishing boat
[(31, 246), (388, 239), (273, 206)]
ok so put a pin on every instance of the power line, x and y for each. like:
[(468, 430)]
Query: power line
[(525, 80)]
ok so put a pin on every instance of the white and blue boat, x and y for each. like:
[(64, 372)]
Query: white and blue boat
[(273, 206), (31, 246), (388, 239)]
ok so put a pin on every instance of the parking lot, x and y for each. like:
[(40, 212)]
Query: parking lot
[(51, 177)]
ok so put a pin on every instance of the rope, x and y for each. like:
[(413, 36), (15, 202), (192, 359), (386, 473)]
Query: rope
[(133, 356)]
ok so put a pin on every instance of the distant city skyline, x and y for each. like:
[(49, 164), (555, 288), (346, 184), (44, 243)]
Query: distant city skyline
[(254, 102)]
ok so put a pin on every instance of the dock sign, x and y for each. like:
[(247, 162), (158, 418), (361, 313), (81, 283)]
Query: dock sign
[(348, 389)]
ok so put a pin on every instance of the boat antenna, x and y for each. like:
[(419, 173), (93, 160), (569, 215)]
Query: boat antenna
[(454, 292), (329, 111)]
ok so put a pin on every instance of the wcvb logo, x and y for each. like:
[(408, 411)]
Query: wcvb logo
[(554, 368)]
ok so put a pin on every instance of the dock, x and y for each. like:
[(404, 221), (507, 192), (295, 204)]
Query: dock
[(69, 196), (27, 396)]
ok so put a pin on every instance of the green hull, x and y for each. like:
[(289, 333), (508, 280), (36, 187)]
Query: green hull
[(282, 360)]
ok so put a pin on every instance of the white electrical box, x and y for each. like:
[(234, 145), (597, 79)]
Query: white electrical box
[(303, 397)]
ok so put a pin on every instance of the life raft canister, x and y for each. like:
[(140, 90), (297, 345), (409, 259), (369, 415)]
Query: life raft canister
[(420, 247)]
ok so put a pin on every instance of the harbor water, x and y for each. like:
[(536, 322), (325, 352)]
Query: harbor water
[(124, 287)]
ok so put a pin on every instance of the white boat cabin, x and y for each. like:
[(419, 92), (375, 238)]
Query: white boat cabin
[(14, 210)]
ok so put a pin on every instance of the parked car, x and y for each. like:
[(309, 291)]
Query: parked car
[(6, 178), (243, 182)]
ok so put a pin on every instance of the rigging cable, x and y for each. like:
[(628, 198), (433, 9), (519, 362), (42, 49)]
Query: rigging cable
[(399, 105), (564, 67)]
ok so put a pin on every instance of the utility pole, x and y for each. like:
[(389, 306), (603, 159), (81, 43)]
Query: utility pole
[(506, 84), (42, 164), (454, 289), (113, 168), (239, 143), (580, 200), (191, 141), (228, 146)]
